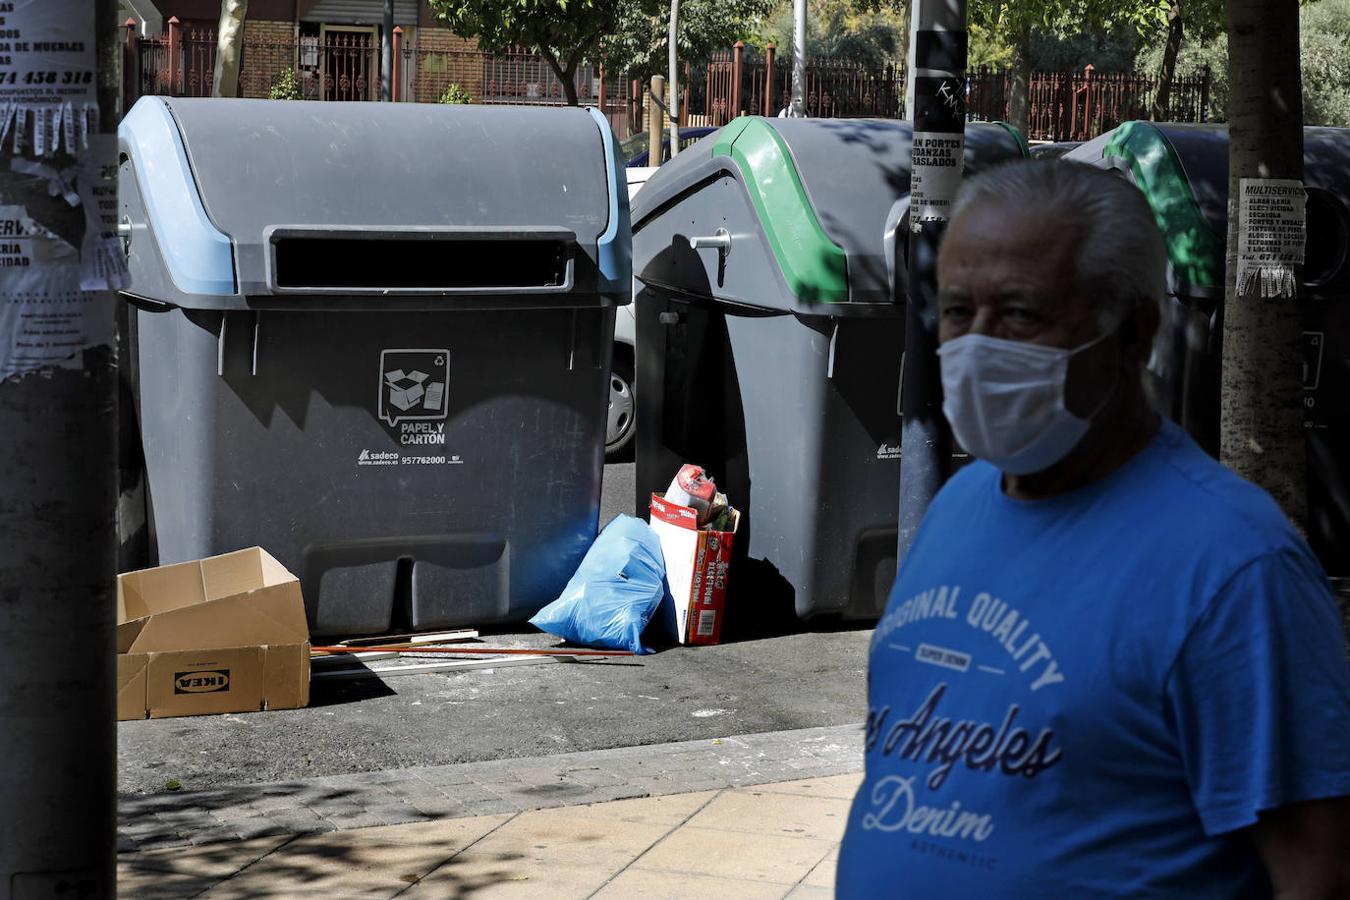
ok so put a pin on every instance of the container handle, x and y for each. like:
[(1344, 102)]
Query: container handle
[(719, 240)]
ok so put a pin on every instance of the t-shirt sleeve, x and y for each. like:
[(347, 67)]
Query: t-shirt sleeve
[(1260, 694)]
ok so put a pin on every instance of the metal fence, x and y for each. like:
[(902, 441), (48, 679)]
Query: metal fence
[(1078, 105), (1071, 105), (743, 81), (345, 65)]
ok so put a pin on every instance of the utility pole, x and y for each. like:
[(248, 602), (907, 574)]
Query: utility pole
[(937, 157), (387, 53), (1261, 400), (798, 108), (674, 79), (58, 412)]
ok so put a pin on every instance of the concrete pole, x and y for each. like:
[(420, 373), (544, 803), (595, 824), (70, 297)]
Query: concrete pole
[(229, 48), (674, 79), (798, 59), (938, 76), (58, 413), (387, 53)]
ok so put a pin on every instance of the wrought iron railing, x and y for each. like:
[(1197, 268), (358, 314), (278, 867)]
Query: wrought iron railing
[(345, 65), (1071, 105)]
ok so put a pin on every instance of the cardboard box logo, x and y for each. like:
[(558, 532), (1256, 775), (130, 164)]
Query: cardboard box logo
[(413, 385), (224, 634), (697, 563), (201, 682)]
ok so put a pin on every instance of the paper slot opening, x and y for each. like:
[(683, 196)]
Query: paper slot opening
[(420, 263)]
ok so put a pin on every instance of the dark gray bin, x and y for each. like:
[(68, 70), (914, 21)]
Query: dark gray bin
[(374, 339), (776, 364), (1183, 172)]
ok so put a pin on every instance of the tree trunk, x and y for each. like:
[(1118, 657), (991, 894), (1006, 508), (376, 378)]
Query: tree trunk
[(58, 405), (1175, 33), (567, 75), (1019, 85), (229, 48), (1261, 412)]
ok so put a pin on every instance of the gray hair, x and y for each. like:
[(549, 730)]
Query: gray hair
[(1122, 261)]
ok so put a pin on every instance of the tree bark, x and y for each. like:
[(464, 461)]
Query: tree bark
[(1261, 405), (229, 48), (1019, 85), (566, 75), (1175, 34)]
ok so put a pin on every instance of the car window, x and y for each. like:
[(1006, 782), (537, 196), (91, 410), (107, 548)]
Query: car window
[(633, 145)]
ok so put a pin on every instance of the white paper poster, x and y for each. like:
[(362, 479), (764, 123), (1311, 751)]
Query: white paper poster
[(936, 176), (59, 250), (1271, 236)]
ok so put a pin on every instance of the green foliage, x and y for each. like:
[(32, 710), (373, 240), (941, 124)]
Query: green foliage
[(640, 43), (1324, 28), (867, 40), (1030, 17), (1105, 51), (626, 35), (455, 94), (285, 88), (564, 32), (868, 32), (987, 49), (1192, 58), (1325, 31)]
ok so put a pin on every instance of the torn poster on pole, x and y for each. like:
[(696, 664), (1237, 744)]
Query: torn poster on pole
[(1271, 233), (59, 249), (938, 159)]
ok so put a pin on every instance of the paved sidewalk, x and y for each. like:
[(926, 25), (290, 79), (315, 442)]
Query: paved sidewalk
[(772, 841), (338, 803)]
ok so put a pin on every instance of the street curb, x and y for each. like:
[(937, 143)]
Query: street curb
[(341, 802)]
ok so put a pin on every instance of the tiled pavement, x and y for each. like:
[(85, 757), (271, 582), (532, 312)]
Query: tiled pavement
[(772, 841), (748, 816), (473, 789)]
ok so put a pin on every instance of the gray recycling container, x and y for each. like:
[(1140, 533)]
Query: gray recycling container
[(374, 339), (773, 360), (1183, 172)]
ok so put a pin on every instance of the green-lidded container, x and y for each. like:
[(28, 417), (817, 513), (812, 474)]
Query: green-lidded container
[(1183, 172), (770, 288)]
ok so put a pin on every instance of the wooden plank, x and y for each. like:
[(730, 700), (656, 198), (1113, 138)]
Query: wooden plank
[(443, 637), (420, 668)]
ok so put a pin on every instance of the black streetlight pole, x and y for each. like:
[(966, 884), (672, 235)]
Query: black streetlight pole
[(938, 80)]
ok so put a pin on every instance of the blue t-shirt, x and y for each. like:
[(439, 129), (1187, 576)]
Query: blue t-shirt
[(1086, 695)]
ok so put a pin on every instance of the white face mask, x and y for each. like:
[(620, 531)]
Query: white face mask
[(1005, 401)]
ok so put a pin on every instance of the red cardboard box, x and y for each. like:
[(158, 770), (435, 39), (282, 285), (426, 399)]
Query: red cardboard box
[(696, 569)]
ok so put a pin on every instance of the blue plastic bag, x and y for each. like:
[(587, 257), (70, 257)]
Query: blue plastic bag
[(615, 592)]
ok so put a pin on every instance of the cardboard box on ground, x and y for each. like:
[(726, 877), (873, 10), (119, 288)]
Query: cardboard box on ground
[(217, 635), (697, 563)]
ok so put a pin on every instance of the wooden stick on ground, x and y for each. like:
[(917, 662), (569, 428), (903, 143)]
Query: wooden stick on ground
[(482, 651), (424, 667)]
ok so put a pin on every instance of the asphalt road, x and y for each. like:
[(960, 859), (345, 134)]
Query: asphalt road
[(798, 679)]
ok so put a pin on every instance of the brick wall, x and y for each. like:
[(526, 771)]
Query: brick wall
[(442, 58), (269, 49)]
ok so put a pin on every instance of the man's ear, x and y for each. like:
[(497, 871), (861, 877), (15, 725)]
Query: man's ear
[(1138, 331)]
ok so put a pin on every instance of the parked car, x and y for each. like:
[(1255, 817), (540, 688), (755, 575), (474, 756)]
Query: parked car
[(621, 424), (636, 150)]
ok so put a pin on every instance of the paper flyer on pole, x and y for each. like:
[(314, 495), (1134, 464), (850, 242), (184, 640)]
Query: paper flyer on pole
[(1271, 234), (59, 250)]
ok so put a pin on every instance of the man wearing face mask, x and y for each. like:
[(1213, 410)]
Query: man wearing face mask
[(1109, 666)]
